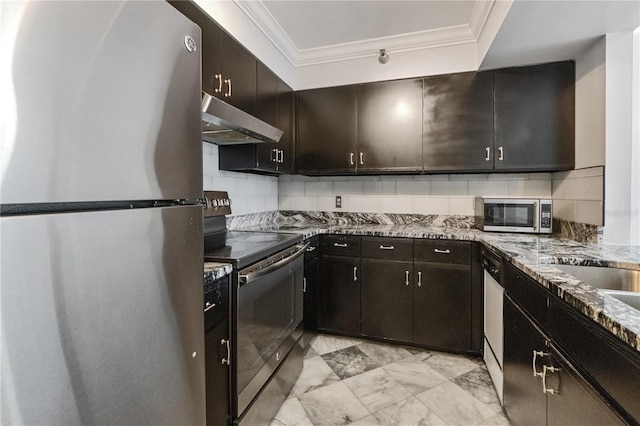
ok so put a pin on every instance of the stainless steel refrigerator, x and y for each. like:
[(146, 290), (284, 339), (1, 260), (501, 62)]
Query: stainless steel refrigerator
[(101, 233)]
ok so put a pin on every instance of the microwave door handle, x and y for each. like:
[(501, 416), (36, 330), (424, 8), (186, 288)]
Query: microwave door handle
[(252, 276), (536, 215)]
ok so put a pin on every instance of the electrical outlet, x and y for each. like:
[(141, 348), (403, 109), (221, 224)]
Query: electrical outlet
[(338, 202)]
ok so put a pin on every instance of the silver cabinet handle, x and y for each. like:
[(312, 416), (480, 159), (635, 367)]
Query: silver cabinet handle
[(361, 158), (406, 277), (274, 158), (488, 157), (419, 278), (209, 305), (442, 251), (219, 78), (501, 151), (226, 360), (282, 156), (535, 355), (311, 248), (351, 158), (386, 247), (355, 273), (228, 81), (304, 284), (546, 369), (339, 245)]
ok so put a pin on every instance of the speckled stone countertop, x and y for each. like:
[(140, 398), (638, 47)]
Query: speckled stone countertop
[(214, 270), (533, 254)]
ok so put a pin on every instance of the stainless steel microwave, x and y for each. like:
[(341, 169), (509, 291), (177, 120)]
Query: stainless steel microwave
[(530, 215)]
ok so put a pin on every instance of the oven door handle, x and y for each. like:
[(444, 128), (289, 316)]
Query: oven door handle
[(254, 275)]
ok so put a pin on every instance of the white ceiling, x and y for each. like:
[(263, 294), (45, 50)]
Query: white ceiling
[(310, 32)]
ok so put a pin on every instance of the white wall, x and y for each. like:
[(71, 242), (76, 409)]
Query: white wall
[(590, 106), (249, 193), (423, 194), (621, 148)]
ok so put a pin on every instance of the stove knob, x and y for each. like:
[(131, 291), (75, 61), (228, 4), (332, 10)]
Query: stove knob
[(214, 203), (226, 202)]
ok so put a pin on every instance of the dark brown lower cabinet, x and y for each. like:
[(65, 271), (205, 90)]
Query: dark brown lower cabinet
[(387, 299), (442, 305), (340, 295), (541, 387), (311, 294)]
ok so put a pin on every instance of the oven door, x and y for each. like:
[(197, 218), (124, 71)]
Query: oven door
[(511, 215), (268, 313)]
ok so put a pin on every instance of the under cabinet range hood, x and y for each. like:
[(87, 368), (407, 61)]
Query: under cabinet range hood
[(224, 124)]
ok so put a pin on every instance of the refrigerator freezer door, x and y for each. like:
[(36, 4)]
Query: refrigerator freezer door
[(102, 102), (102, 319)]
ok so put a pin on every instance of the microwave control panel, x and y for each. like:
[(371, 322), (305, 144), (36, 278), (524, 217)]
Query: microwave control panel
[(545, 216)]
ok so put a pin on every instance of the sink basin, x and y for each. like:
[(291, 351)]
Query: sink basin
[(619, 279), (630, 298)]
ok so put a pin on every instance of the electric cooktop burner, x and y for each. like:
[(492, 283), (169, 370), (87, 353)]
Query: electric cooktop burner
[(246, 247)]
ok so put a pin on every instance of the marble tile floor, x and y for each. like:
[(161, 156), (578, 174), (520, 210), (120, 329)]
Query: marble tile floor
[(359, 382)]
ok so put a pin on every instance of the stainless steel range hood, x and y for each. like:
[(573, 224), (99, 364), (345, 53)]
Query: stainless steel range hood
[(224, 124)]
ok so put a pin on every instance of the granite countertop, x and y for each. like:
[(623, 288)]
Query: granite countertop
[(214, 270), (534, 254)]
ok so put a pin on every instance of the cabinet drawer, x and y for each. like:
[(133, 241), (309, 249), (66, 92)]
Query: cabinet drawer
[(342, 245), (387, 248), (312, 249), (443, 251), (527, 293)]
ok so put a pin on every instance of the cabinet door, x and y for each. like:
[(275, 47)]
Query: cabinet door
[(442, 305), (211, 45), (573, 401), (524, 401), (458, 122), (535, 117), (285, 123), (267, 110), (239, 74), (387, 302), (311, 294), (327, 130), (389, 132), (340, 296), (217, 375)]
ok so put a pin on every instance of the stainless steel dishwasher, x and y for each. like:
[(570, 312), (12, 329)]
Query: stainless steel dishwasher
[(493, 322)]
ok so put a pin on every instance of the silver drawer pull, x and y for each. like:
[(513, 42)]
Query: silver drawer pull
[(406, 277), (311, 248), (442, 251), (339, 245), (209, 305), (226, 360), (546, 369), (355, 273), (419, 279), (387, 247)]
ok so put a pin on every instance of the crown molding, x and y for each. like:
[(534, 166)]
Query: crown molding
[(258, 13)]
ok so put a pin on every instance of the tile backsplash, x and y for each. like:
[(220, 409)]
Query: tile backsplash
[(249, 193), (578, 195), (421, 194)]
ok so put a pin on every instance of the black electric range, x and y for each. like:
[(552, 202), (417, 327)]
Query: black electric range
[(243, 248)]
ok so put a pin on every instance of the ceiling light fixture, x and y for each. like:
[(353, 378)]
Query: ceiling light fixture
[(383, 57)]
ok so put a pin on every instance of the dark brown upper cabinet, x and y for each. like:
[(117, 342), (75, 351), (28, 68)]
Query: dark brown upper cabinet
[(389, 131), (326, 130), (458, 122), (535, 117), (228, 69), (274, 106)]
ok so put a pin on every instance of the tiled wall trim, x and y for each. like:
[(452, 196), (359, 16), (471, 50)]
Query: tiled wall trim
[(578, 195), (249, 193), (423, 194)]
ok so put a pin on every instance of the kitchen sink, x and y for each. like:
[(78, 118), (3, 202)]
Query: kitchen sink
[(622, 284), (618, 279), (630, 298)]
